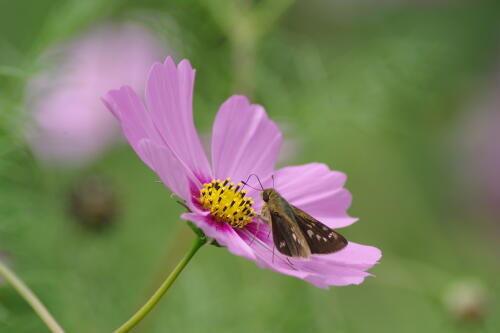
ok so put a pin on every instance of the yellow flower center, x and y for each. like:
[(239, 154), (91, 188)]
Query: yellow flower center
[(227, 203)]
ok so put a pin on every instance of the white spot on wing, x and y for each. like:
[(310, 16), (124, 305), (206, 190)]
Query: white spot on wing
[(282, 244), (325, 228), (310, 233), (318, 237), (294, 236), (324, 239)]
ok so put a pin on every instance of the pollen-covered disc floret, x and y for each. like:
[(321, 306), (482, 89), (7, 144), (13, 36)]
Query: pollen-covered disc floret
[(227, 203)]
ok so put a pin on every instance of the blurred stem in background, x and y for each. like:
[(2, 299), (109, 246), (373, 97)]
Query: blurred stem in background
[(150, 304), (31, 298), (244, 23)]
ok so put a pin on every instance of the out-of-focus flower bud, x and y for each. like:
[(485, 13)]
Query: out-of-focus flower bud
[(94, 202), (466, 300)]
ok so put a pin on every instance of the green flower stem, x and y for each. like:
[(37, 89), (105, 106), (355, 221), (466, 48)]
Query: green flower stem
[(31, 298), (150, 304)]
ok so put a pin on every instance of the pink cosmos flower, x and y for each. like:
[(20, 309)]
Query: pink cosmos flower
[(70, 125), (244, 141)]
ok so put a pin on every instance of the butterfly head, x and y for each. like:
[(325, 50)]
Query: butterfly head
[(269, 194)]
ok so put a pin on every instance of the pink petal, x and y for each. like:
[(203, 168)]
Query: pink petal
[(172, 173), (244, 141), (339, 277), (169, 97), (135, 120), (143, 136), (223, 233), (355, 255), (318, 191), (345, 267)]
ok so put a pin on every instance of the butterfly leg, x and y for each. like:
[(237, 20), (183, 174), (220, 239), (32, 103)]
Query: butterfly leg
[(290, 263), (255, 234), (266, 221), (273, 254)]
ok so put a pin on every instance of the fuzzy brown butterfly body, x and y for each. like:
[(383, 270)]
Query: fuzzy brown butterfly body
[(296, 233)]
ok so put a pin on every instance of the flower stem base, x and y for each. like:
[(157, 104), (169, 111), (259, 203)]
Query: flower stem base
[(150, 304)]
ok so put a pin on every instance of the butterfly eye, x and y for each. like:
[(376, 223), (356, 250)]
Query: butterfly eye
[(265, 196)]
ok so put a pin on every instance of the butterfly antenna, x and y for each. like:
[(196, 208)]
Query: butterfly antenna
[(245, 183), (262, 187)]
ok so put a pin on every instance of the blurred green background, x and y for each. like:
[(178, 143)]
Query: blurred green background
[(374, 89)]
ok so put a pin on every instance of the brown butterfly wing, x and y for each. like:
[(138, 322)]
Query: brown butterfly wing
[(320, 238), (287, 236)]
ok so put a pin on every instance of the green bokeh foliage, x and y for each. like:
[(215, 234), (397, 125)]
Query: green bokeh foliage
[(370, 90)]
